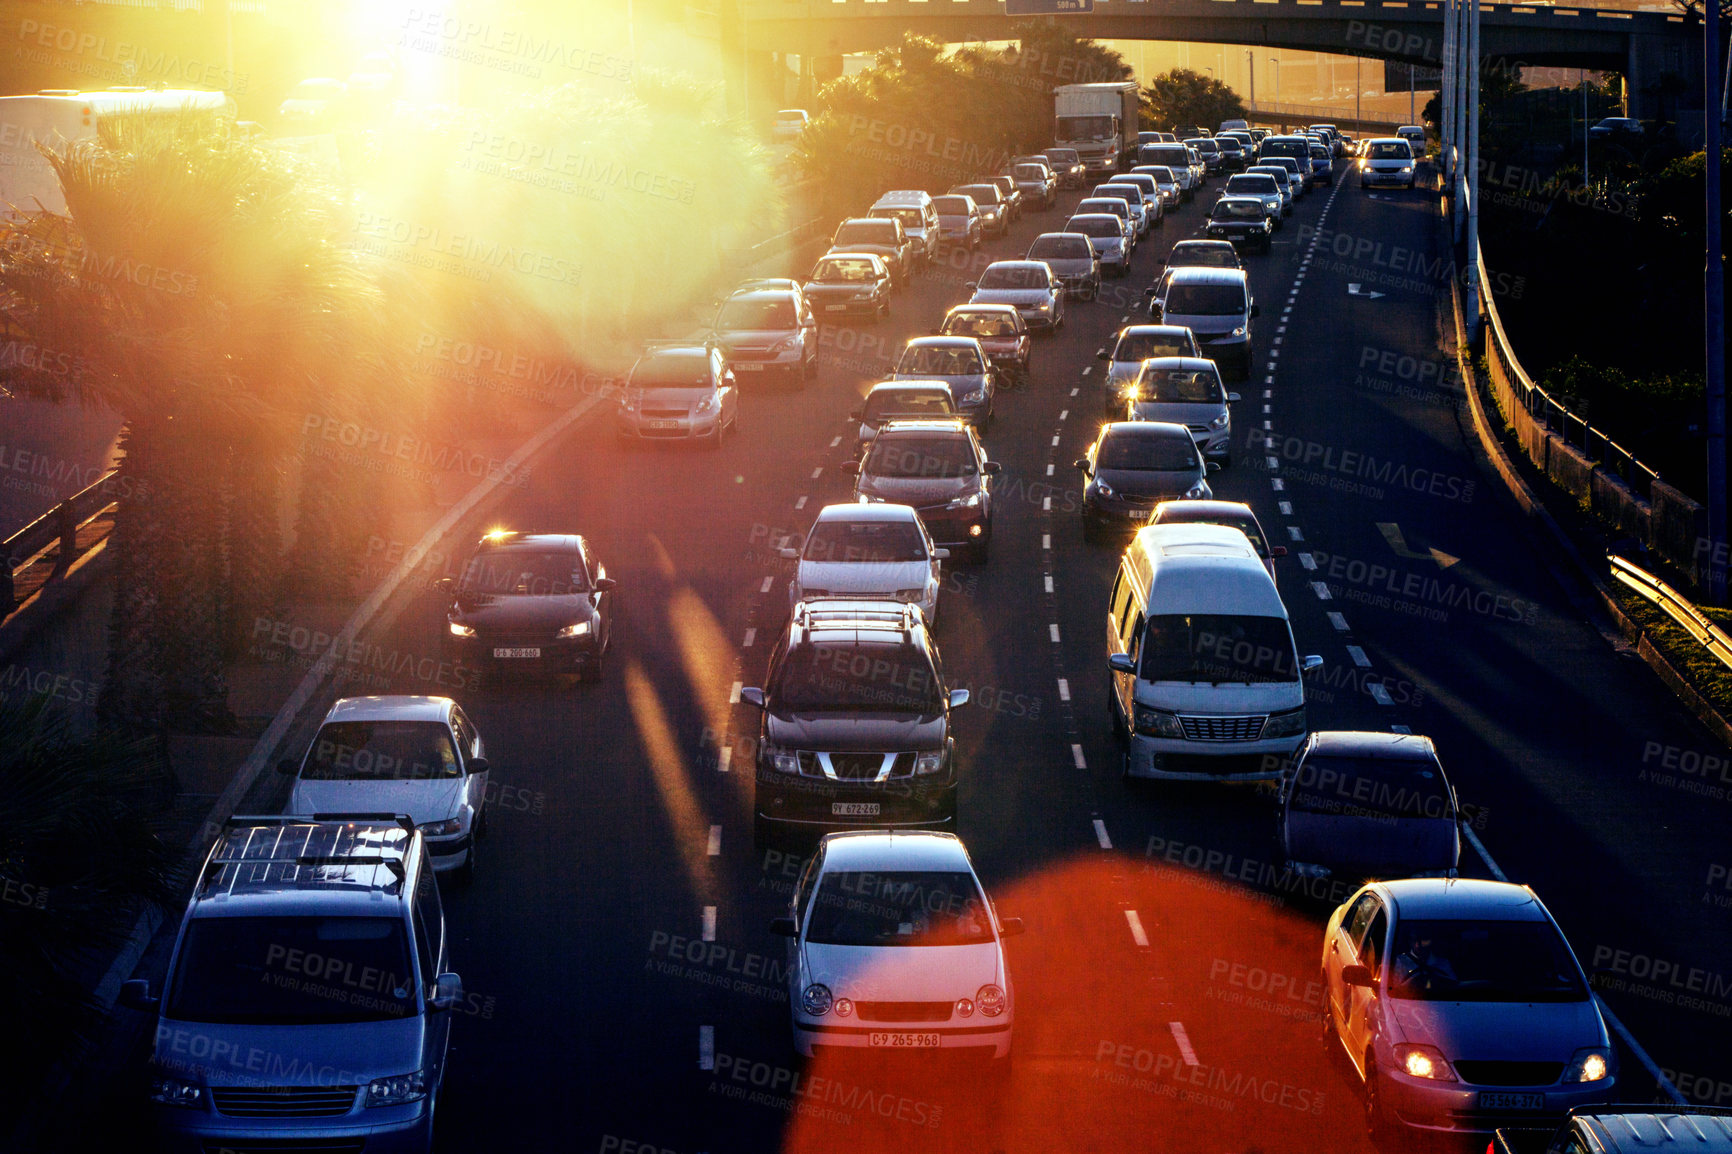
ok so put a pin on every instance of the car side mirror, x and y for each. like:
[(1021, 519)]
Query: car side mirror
[(788, 552), (288, 767), (958, 698), (1149, 294), (1103, 355), (1213, 466), (784, 928), (135, 995), (857, 414), (752, 696), (447, 992), (1277, 550), (446, 585), (1255, 311), (852, 468), (1357, 975), (1010, 927), (605, 584), (1080, 463), (1122, 663), (971, 285), (1311, 661), (941, 554), (1233, 398), (992, 468)]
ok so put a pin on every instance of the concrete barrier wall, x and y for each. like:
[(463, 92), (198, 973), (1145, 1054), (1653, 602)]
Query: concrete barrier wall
[(1572, 469), (1618, 504), (1679, 527)]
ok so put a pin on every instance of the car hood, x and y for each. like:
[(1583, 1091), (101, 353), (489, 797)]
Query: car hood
[(878, 249), (423, 800), (529, 613), (344, 1054), (668, 398), (1019, 297), (904, 973), (1105, 243), (1499, 1031), (881, 577), (836, 287), (917, 491), (1178, 414), (731, 338), (1367, 845), (1070, 266), (1145, 483), (959, 384), (844, 730), (1202, 324)]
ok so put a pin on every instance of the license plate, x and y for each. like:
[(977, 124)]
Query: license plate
[(518, 651), (903, 1041), (835, 308), (1504, 1100), (747, 367), (854, 809), (664, 424)]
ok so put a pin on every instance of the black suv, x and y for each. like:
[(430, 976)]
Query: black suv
[(533, 602), (856, 722), (1243, 220)]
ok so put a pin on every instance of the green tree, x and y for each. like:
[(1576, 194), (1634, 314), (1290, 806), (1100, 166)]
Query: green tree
[(1183, 97)]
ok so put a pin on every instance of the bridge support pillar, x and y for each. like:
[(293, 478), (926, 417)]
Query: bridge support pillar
[(1663, 82)]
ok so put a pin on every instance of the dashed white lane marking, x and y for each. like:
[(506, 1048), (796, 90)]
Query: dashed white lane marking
[(1278, 340), (1268, 381), (706, 1047), (818, 472), (800, 504), (1087, 369), (1378, 693), (1268, 427), (1268, 408), (709, 923), (1076, 755), (1307, 561), (1185, 1051), (1101, 834), (1339, 622), (765, 587), (1278, 483), (1046, 540), (1049, 469), (734, 692), (1063, 689), (1399, 729), (1359, 658), (1073, 392), (1055, 442), (715, 841), (1281, 328), (1322, 591), (834, 441), (724, 759), (1048, 582), (1295, 533), (1046, 504), (1124, 318), (1286, 508), (1274, 462), (1052, 631), (1136, 924), (1063, 413), (751, 636)]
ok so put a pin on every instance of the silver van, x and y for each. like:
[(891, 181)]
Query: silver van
[(1202, 659), (919, 217)]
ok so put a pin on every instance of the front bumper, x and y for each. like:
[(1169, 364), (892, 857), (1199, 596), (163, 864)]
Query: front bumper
[(554, 655), (1453, 1108), (1146, 756), (634, 427), (798, 800), (1116, 515), (1038, 318), (1238, 235), (836, 306), (810, 1036), (969, 525), (1385, 178), (389, 1129), (748, 366)]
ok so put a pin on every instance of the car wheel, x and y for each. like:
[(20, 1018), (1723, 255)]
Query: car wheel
[(884, 309), (1377, 1125), (714, 440), (590, 673), (464, 875)]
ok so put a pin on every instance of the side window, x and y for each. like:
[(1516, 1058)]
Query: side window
[(1124, 604), (1371, 949), (468, 740), (1134, 642), (1359, 917), (429, 925), (803, 888)]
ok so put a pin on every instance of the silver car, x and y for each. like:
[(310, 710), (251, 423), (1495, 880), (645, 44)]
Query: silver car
[(1133, 345), (1133, 198), (1262, 186), (1028, 285), (1387, 163), (959, 362), (1072, 256), (1283, 183), (769, 333), (1112, 206), (679, 392), (898, 401), (1106, 235), (1460, 1005), (1165, 182), (1187, 391), (872, 552)]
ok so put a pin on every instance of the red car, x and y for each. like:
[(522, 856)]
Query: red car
[(1000, 330)]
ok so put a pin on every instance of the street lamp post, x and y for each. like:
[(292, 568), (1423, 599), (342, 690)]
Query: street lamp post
[(1714, 306), (1251, 73), (1277, 64)]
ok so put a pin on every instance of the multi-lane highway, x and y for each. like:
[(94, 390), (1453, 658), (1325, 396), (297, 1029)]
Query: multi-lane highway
[(624, 987)]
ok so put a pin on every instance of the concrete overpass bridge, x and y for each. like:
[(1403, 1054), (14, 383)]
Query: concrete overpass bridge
[(1646, 47)]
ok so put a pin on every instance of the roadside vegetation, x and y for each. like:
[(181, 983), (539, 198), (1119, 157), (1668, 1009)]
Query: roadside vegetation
[(1185, 97)]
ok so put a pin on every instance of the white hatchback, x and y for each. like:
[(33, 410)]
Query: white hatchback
[(411, 755), (893, 945), (868, 552)]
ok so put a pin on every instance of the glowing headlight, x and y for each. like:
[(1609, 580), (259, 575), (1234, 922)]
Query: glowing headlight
[(1240, 331), (450, 827), (972, 501), (458, 629), (990, 1000), (1220, 422), (1589, 1065), (398, 1089), (965, 1007), (909, 594), (844, 1007), (973, 396), (704, 405), (1423, 1062), (927, 763), (175, 1092), (815, 1000), (575, 629)]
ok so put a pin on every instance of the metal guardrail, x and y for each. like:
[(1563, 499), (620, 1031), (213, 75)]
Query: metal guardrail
[(1709, 635), (1507, 372), (56, 529)]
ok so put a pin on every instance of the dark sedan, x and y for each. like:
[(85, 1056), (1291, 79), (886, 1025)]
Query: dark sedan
[(532, 602), (1134, 466)]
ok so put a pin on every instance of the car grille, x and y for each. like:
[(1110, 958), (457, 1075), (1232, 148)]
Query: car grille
[(1198, 428), (514, 638), (903, 1011), (663, 414), (285, 1146), (1481, 1073), (856, 766), (1216, 728), (283, 1101)]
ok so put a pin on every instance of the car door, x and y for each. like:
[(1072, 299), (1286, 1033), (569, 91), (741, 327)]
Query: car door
[(1121, 610), (801, 906), (602, 599), (1343, 950), (428, 928), (727, 394), (1359, 1020), (469, 746)]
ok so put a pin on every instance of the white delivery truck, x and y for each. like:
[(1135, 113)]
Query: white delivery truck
[(56, 117), (1099, 121)]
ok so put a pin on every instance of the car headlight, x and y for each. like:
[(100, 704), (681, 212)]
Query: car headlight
[(781, 760), (864, 294), (397, 1089), (973, 396), (1044, 306), (1220, 422), (972, 501), (166, 1090), (844, 1007), (990, 1000), (628, 402), (1288, 724), (1591, 1064), (704, 405), (788, 345), (815, 1000), (1198, 491), (929, 763), (575, 629), (1156, 722), (1240, 331), (1417, 1061), (965, 1007), (910, 594), (458, 629), (1103, 489), (447, 828), (1406, 168)]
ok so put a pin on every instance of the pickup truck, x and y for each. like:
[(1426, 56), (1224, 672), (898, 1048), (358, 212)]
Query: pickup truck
[(1650, 1129)]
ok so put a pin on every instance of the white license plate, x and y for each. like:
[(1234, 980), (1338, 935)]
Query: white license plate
[(518, 652), (835, 308), (664, 424), (903, 1041), (854, 809), (747, 367), (1503, 1100)]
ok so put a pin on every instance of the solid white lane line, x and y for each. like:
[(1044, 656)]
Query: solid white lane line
[(1136, 924), (1101, 834), (709, 923), (715, 842), (1179, 1036), (1359, 658)]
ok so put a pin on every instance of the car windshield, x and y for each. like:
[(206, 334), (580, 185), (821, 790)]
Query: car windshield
[(1013, 276), (1376, 787), (1118, 192), (1218, 648), (1180, 386), (1029, 172), (1206, 147), (1457, 960), (911, 458), (884, 542), (1390, 150), (1085, 127), (522, 573), (759, 314), (279, 971), (883, 406), (982, 193), (844, 272), (1059, 248), (1318, 153), (1143, 452), (866, 232), (1062, 155), (1106, 206), (672, 371), (910, 217), (1226, 209), (382, 751), (980, 324), (939, 361), (1098, 228), (951, 205), (1252, 185), (1139, 347), (1203, 256), (900, 908), (857, 675), (1205, 300), (1162, 174)]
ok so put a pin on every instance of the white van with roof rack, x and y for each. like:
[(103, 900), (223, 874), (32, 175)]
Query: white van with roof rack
[(919, 217)]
